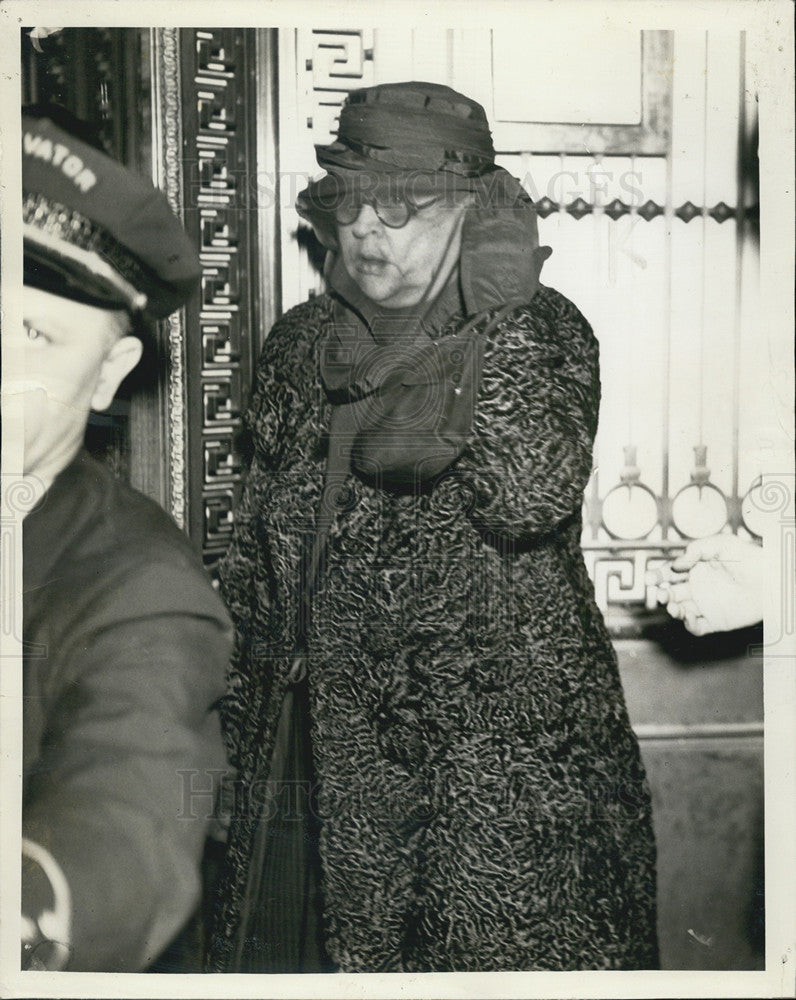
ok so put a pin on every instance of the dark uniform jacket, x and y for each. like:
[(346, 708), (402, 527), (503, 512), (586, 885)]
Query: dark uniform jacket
[(126, 649), (482, 801)]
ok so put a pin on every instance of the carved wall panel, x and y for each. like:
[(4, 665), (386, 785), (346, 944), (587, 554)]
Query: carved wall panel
[(219, 160)]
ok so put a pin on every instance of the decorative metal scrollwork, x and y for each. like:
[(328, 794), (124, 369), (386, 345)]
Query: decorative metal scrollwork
[(631, 530), (630, 510)]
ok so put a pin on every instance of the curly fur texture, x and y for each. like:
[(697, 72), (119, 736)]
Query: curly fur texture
[(482, 798)]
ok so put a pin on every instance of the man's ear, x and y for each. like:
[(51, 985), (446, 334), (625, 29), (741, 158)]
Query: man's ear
[(118, 363)]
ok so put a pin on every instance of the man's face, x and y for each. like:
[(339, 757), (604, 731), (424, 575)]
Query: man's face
[(73, 364), (396, 267)]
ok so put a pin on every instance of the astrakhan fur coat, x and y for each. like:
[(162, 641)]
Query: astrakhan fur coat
[(482, 798)]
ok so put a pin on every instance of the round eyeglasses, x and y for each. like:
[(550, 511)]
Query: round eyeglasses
[(393, 209)]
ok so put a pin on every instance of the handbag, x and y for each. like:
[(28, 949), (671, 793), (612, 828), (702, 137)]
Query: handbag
[(280, 929)]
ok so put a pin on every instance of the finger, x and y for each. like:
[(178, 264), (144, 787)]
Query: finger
[(689, 611), (687, 558), (697, 625), (700, 550), (656, 576), (675, 609), (680, 591), (665, 575), (653, 577), (684, 609)]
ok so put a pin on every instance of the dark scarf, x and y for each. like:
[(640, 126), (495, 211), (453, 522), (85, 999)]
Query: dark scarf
[(369, 341), (397, 392)]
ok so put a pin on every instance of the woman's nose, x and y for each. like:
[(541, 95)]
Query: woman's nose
[(366, 222)]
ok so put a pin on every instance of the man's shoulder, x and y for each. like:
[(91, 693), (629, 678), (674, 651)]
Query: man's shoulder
[(128, 557), (124, 520), (154, 558), (134, 517)]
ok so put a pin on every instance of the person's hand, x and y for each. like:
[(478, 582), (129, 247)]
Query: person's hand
[(717, 584)]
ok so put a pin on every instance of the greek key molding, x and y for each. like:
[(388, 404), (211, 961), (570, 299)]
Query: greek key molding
[(332, 63), (224, 144)]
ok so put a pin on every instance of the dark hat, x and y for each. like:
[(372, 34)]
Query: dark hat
[(410, 126), (96, 232)]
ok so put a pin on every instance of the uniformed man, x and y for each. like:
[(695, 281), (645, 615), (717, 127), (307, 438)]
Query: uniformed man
[(126, 641)]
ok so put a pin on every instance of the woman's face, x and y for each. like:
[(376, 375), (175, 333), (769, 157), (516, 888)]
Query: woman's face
[(397, 267)]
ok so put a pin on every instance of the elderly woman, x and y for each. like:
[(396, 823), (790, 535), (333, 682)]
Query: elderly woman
[(406, 576)]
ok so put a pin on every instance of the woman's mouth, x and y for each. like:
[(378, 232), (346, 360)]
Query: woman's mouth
[(371, 265)]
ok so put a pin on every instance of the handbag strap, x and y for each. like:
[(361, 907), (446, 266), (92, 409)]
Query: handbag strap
[(338, 462)]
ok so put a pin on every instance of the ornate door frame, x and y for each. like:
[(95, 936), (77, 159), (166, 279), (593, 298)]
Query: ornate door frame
[(214, 155)]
